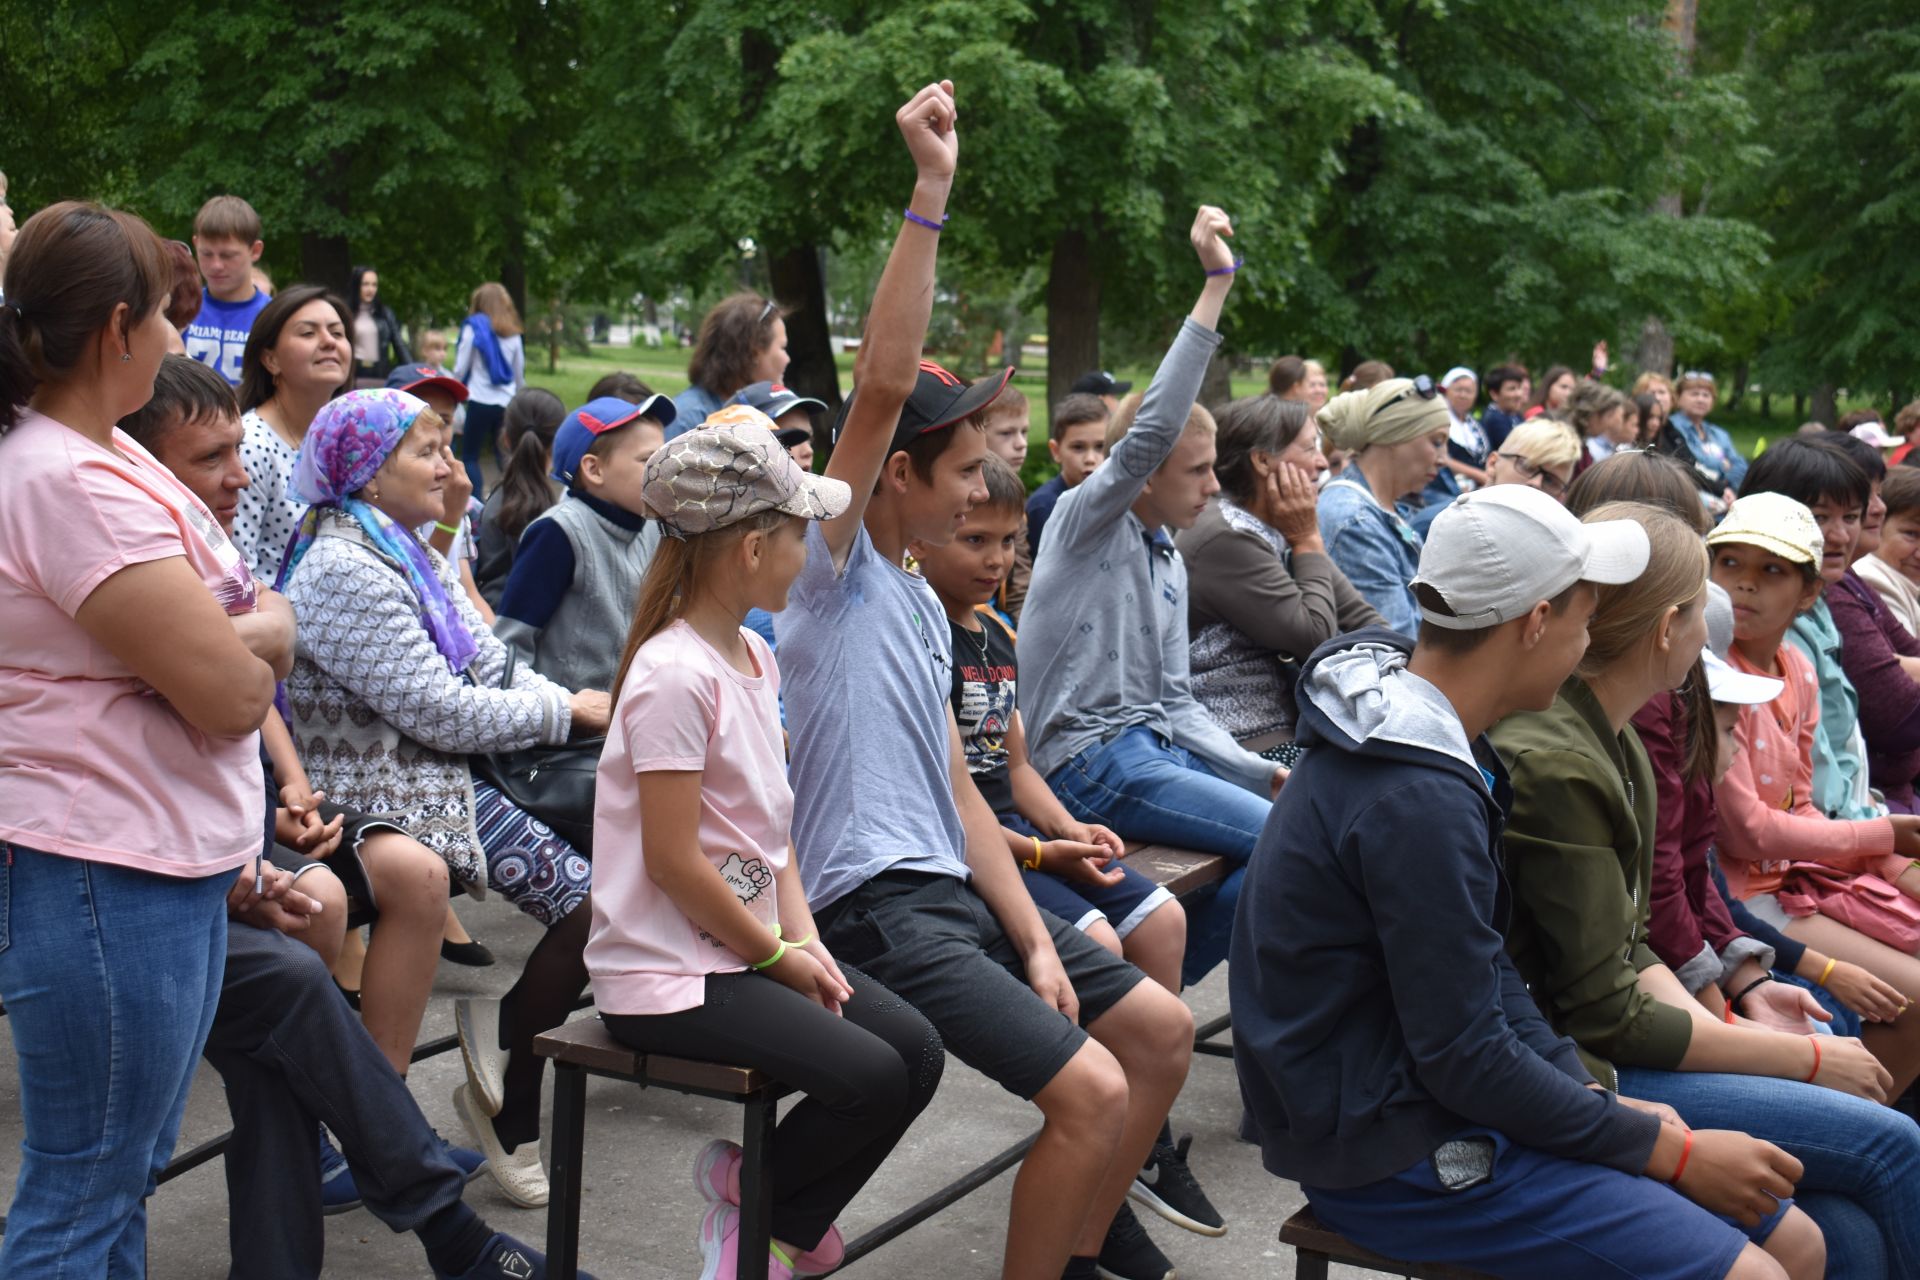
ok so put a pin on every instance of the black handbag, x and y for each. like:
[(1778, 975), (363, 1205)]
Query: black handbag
[(553, 784)]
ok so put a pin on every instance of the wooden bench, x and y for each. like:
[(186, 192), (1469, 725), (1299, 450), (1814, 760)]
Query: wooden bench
[(1314, 1246), (583, 1048)]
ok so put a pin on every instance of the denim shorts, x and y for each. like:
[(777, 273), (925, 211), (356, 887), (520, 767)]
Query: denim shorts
[(1122, 905)]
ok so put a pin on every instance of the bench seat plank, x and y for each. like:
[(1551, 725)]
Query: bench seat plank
[(1303, 1231), (1180, 871), (585, 1042)]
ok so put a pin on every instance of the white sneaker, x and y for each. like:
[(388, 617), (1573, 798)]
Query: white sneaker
[(520, 1174), (477, 1022)]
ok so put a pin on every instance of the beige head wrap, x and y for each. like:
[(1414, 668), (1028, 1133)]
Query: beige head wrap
[(1389, 412)]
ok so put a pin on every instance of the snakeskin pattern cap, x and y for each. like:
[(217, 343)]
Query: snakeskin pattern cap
[(729, 468)]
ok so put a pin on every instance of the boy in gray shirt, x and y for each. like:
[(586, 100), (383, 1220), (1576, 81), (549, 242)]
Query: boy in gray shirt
[(904, 864), (1111, 718)]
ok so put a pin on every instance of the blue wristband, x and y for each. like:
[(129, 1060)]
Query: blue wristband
[(928, 223), (1227, 271)]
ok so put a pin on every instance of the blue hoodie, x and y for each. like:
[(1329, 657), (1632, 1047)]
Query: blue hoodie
[(1376, 1013)]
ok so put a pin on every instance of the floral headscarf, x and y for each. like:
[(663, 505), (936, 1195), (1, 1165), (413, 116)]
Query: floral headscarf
[(349, 439)]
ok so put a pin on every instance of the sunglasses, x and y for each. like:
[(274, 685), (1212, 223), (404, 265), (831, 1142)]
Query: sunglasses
[(1549, 482), (765, 312), (1423, 387), (1698, 375)]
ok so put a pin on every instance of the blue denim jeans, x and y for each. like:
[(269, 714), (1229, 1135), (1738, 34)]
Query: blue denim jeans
[(110, 978), (1146, 788), (1862, 1181)]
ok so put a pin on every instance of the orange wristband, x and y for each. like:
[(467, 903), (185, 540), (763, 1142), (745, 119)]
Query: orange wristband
[(1815, 1040), (1729, 1011), (1681, 1168)]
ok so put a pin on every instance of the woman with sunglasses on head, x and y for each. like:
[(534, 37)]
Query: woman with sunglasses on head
[(1542, 454), (743, 340), (1396, 431), (1710, 447)]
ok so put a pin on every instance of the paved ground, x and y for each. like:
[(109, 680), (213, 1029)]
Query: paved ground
[(641, 1213)]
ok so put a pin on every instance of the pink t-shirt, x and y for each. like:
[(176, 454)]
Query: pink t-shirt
[(683, 707), (93, 763)]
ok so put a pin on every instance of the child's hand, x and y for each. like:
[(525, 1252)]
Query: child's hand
[(1732, 1174), (1080, 861), (1048, 979), (1846, 1065), (1906, 843), (810, 978), (927, 123), (818, 950), (1280, 775), (1094, 833), (1872, 998), (1781, 1006), (1210, 227), (459, 488)]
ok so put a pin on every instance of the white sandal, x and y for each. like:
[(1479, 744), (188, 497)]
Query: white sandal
[(521, 1176)]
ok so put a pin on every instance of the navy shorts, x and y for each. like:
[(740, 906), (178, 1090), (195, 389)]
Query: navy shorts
[(1122, 905), (1540, 1217)]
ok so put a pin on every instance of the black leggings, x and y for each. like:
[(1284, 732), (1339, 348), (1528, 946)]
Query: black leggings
[(866, 1075)]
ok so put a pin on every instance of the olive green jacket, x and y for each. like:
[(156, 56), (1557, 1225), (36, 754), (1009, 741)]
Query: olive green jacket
[(1579, 850)]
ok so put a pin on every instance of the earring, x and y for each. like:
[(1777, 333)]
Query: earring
[(125, 356), (373, 493)]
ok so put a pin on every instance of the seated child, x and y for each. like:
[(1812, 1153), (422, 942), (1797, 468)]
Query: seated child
[(1116, 730), (525, 490), (578, 570), (1579, 854), (1009, 421), (905, 867), (1893, 570), (702, 945), (1077, 439), (1390, 1056), (1068, 866)]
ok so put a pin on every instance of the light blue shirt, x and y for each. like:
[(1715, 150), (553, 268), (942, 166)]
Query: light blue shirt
[(1374, 546)]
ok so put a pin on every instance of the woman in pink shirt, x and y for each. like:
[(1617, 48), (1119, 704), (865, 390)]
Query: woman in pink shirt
[(702, 944), (135, 668)]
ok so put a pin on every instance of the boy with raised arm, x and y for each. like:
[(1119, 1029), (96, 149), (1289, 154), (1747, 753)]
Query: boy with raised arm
[(1391, 1059), (902, 859)]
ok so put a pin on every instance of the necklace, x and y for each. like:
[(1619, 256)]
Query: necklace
[(979, 641)]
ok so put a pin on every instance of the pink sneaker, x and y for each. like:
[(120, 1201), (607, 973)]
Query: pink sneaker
[(720, 1247), (823, 1257), (716, 1172)]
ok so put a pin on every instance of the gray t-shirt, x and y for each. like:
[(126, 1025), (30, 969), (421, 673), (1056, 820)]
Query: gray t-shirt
[(866, 665)]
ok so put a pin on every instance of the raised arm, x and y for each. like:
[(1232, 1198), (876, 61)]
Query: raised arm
[(890, 349)]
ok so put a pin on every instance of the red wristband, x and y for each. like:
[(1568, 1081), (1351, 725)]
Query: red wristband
[(1815, 1040), (1681, 1167), (1729, 1011)]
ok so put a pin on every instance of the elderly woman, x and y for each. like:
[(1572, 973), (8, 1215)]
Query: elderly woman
[(1397, 432), (1262, 593), (395, 683)]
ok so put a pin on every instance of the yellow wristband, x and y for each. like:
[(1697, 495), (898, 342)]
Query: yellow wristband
[(1037, 848), (453, 529), (796, 945), (773, 959), (1825, 973)]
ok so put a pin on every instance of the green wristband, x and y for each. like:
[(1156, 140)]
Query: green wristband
[(773, 959)]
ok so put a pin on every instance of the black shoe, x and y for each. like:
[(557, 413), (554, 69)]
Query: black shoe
[(1127, 1253), (1167, 1186), (351, 996), (469, 953)]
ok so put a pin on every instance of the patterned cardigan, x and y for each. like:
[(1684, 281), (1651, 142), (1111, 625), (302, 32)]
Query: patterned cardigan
[(381, 723)]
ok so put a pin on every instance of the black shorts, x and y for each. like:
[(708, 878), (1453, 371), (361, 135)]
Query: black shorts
[(932, 940), (345, 861)]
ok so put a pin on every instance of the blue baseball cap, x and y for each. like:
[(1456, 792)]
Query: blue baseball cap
[(776, 401), (411, 377), (594, 418)]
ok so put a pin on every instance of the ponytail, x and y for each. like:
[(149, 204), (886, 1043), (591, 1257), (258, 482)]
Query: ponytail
[(532, 418), (1703, 735), (679, 565)]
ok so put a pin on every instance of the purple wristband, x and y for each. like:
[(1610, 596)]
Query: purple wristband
[(1227, 271), (928, 223)]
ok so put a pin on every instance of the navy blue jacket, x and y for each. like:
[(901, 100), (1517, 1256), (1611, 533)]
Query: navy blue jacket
[(1375, 1010)]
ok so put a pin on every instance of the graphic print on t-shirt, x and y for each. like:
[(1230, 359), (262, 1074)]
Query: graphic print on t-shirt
[(986, 684), (218, 335), (749, 878)]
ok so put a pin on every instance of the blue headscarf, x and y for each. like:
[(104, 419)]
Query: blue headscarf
[(344, 447), (488, 347)]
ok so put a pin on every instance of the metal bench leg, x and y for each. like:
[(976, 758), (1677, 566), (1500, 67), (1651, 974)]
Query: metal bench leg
[(564, 1178), (1203, 1037), (756, 1188), (1308, 1265)]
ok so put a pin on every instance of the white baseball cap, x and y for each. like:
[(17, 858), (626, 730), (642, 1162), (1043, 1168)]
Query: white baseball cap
[(1875, 434), (1726, 682), (1496, 552)]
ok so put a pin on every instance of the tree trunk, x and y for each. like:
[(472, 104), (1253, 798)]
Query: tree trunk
[(326, 260), (1737, 386), (800, 287), (1825, 408), (1216, 388), (1073, 314), (1799, 408), (1654, 354), (513, 270)]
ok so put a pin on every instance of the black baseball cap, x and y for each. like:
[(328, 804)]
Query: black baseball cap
[(1099, 383), (776, 400), (411, 377), (939, 399)]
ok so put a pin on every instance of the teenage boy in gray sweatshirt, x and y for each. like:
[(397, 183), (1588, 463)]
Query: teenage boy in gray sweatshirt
[(1111, 718), (1390, 1057)]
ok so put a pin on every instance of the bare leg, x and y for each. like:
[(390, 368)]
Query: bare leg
[(453, 931), (1896, 1043), (350, 969), (1083, 1106), (328, 931), (1150, 1034), (1157, 944), (1797, 1245), (1102, 932), (410, 884)]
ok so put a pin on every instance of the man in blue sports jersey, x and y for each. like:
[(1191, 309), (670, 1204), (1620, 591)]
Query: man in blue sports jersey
[(226, 243)]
